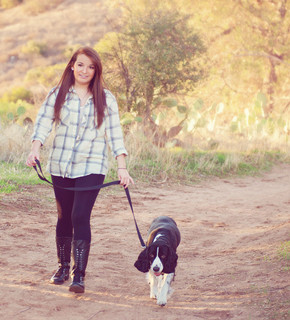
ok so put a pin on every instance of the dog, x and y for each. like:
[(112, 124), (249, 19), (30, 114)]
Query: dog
[(159, 258)]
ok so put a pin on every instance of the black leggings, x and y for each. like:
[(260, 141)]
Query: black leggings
[(74, 207)]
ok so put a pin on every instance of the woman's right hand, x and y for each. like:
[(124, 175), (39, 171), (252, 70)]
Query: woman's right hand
[(34, 153)]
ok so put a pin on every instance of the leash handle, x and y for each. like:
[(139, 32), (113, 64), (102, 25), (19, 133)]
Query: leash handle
[(40, 173), (41, 176)]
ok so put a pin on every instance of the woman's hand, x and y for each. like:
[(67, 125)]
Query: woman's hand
[(34, 153), (123, 173), (124, 177)]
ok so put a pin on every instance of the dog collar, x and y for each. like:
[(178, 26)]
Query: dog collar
[(158, 236)]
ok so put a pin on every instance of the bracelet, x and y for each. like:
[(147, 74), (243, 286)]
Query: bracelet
[(122, 168)]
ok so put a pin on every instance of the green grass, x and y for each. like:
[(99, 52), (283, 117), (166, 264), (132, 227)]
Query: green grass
[(284, 251), (146, 161), (178, 165), (13, 176), (284, 255), (189, 166), (154, 164)]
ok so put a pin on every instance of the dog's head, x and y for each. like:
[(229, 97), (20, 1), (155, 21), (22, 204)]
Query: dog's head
[(159, 257)]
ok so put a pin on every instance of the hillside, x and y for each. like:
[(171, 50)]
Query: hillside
[(243, 76), (71, 22)]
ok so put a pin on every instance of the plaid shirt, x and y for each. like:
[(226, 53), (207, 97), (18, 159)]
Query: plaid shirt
[(79, 148)]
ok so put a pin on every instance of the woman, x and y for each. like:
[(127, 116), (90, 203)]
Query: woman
[(86, 120)]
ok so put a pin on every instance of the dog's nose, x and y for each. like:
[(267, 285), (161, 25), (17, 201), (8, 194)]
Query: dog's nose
[(156, 269)]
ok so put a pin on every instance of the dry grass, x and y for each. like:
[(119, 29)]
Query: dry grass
[(148, 162)]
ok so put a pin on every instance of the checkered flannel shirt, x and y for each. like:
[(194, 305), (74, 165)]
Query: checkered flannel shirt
[(79, 148)]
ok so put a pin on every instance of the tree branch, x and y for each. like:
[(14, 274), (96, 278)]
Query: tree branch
[(264, 55)]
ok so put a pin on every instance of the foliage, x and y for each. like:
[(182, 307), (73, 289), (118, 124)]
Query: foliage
[(36, 6), (248, 50), (46, 76), (206, 154), (34, 48), (7, 4), (31, 6), (284, 255), (284, 250), (69, 50), (147, 162), (17, 93), (154, 55), (11, 112), (243, 102), (264, 38), (14, 175), (183, 124), (14, 104)]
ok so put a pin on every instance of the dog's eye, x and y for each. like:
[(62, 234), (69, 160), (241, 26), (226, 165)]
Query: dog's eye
[(163, 256), (151, 255)]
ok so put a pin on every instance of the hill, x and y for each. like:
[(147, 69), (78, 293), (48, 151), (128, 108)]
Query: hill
[(70, 22)]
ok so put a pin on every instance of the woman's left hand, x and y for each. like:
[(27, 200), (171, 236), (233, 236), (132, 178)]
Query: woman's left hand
[(124, 177)]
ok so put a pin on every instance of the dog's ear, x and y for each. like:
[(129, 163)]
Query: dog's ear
[(170, 263), (142, 264)]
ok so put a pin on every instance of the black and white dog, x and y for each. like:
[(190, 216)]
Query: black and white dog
[(159, 258)]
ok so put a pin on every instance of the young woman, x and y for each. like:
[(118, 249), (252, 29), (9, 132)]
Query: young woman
[(86, 120)]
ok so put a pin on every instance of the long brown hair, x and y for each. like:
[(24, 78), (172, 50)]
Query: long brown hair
[(96, 85)]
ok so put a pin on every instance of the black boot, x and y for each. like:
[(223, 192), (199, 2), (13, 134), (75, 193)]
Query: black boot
[(63, 245), (81, 249)]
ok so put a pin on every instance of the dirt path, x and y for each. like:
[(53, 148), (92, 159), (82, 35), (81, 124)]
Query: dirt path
[(228, 265)]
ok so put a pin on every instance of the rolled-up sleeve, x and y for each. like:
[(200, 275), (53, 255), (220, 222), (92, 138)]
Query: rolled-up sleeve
[(44, 120), (114, 132)]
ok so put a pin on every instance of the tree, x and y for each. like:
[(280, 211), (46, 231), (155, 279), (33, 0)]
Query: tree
[(155, 55), (249, 47), (265, 35)]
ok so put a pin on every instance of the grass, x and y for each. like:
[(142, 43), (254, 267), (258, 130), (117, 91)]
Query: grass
[(13, 176), (284, 255), (153, 164), (147, 162), (284, 251)]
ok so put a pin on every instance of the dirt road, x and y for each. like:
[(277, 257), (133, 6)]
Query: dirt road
[(228, 265)]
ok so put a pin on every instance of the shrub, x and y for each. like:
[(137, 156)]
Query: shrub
[(35, 6), (11, 112), (46, 76), (34, 48), (18, 93), (7, 4), (69, 50)]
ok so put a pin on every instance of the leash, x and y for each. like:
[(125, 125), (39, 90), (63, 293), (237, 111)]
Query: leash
[(41, 176)]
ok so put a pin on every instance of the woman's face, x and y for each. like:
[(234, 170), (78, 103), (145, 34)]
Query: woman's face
[(84, 70)]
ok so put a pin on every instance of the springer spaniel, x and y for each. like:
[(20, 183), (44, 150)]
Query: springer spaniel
[(159, 258)]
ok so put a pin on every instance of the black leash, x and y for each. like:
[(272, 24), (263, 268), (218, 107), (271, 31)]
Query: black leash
[(41, 176)]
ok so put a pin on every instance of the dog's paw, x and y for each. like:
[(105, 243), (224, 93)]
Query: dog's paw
[(161, 302), (153, 296), (170, 292), (153, 292)]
